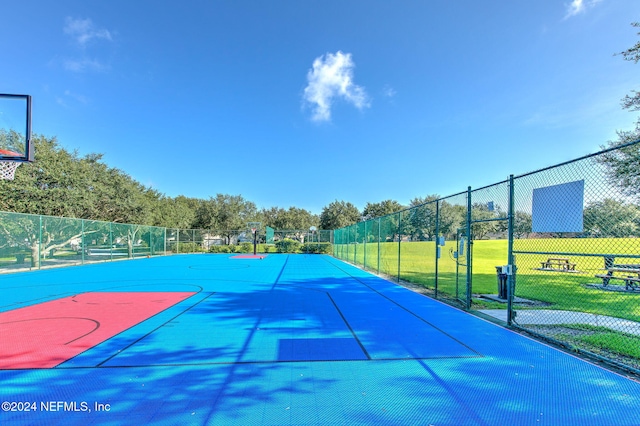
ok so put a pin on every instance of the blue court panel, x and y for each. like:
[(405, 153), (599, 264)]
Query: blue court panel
[(300, 340)]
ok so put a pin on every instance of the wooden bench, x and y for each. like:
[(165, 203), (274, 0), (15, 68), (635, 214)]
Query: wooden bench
[(631, 282), (558, 264)]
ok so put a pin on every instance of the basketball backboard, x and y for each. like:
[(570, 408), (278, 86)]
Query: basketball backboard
[(15, 128)]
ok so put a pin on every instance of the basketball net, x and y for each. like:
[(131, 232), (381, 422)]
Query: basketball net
[(253, 230), (8, 169)]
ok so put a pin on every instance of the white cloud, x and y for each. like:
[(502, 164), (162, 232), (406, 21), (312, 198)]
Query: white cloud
[(579, 6), (331, 78), (84, 30), (389, 91), (85, 64), (69, 95), (79, 98)]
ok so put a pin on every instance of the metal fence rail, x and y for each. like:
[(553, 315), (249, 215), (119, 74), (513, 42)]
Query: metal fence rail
[(555, 252)]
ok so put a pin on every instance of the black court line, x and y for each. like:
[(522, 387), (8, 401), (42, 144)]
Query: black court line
[(406, 309), (344, 319), (353, 333), (281, 272), (31, 302), (97, 324)]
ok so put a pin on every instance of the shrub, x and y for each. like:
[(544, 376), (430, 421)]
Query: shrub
[(186, 248), (287, 245), (220, 249), (316, 248), (246, 248)]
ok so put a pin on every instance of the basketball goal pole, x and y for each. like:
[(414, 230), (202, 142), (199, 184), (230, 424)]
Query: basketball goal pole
[(255, 241), (254, 226)]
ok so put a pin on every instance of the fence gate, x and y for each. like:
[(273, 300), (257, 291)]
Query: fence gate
[(488, 216)]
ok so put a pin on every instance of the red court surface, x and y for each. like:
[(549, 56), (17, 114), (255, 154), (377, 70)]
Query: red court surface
[(249, 256), (47, 334)]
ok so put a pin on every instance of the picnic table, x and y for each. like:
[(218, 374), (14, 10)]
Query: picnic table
[(558, 264), (631, 275)]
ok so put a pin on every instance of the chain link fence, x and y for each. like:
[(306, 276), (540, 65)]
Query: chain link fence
[(576, 247), (555, 253), (36, 241)]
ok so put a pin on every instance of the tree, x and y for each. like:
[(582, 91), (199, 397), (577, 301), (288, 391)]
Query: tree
[(452, 218), (293, 219), (383, 208), (481, 212), (622, 166), (522, 224), (632, 54), (338, 214), (421, 218), (225, 213), (60, 183), (179, 212), (612, 219)]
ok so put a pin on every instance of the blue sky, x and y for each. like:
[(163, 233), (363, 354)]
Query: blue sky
[(300, 103)]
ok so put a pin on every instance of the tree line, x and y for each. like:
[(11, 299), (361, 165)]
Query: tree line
[(62, 183)]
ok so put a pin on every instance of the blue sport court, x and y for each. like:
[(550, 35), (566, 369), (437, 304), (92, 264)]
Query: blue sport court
[(281, 340)]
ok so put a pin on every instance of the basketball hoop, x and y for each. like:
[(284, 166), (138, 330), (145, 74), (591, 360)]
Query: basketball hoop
[(8, 169), (253, 230)]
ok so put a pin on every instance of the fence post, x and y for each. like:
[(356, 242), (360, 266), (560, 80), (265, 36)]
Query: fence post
[(510, 259), (469, 255), (346, 255), (40, 244), (399, 242), (355, 243), (110, 241), (379, 219), (364, 241), (437, 236), (82, 243)]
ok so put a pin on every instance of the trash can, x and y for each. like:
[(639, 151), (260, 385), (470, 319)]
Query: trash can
[(502, 283)]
